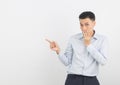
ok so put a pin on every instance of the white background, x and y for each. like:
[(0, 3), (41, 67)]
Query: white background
[(25, 57)]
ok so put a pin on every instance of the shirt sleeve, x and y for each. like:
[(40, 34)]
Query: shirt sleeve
[(66, 56), (99, 55)]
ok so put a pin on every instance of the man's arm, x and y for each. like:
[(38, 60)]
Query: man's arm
[(66, 57), (99, 55)]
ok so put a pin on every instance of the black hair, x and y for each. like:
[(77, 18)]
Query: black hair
[(87, 14)]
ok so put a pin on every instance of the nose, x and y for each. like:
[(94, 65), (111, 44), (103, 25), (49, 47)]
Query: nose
[(83, 28)]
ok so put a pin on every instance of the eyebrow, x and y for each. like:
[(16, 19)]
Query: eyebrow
[(85, 23)]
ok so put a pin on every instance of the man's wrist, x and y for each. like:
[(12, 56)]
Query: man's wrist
[(87, 42)]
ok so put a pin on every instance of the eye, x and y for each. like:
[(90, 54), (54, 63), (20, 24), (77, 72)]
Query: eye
[(86, 24), (81, 25)]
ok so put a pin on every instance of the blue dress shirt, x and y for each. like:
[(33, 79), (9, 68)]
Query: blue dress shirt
[(85, 60)]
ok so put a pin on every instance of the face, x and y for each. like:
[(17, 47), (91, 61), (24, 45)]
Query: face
[(86, 25)]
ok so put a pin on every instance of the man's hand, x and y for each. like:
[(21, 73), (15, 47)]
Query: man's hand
[(54, 46), (87, 37)]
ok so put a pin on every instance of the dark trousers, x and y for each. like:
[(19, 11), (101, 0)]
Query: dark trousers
[(73, 79)]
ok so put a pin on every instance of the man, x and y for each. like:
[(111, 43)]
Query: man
[(84, 53)]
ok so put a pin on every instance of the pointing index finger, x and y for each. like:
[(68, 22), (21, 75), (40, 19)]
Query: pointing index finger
[(48, 40)]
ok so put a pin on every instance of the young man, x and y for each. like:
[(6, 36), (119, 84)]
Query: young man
[(84, 53)]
